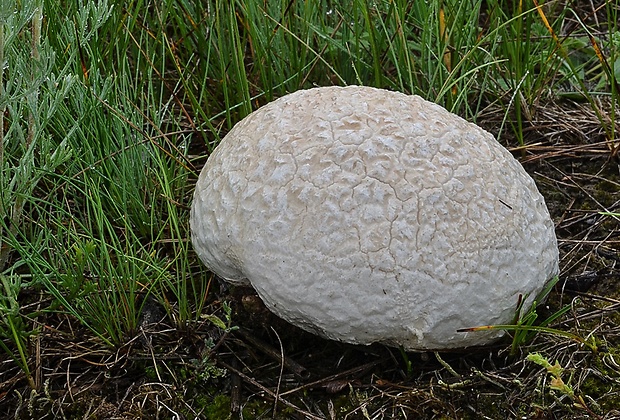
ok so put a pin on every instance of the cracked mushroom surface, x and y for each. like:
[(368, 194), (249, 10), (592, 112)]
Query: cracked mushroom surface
[(365, 215)]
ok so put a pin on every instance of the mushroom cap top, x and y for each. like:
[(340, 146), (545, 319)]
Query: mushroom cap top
[(365, 215)]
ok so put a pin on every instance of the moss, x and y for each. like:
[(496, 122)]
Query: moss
[(601, 386), (606, 191), (487, 404), (219, 408)]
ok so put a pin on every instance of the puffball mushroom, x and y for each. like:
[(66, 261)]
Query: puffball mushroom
[(364, 215)]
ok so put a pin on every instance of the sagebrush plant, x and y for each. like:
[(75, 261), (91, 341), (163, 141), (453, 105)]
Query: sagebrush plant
[(26, 156), (104, 106)]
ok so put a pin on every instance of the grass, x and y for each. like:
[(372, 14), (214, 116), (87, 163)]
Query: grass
[(108, 110)]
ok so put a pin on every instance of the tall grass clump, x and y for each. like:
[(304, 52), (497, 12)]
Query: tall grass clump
[(133, 175), (530, 60), (427, 48)]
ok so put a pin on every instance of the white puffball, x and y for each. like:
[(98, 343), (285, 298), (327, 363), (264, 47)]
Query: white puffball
[(365, 215)]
